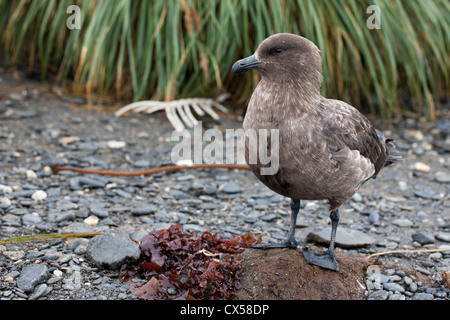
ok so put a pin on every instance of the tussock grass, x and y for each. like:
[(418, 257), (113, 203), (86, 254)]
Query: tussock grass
[(165, 50)]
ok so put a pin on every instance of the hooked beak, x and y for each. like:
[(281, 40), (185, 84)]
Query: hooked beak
[(245, 64)]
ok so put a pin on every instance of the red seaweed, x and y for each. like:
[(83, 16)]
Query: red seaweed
[(188, 266)]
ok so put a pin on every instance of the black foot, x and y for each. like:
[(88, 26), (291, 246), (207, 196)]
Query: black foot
[(288, 244), (324, 260)]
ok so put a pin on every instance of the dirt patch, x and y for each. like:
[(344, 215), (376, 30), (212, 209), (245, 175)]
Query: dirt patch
[(283, 274)]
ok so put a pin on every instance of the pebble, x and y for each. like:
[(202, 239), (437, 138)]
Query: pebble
[(402, 223), (390, 286), (374, 218), (142, 163), (31, 219), (38, 291), (92, 182), (68, 140), (396, 296), (5, 189), (378, 295), (423, 239), (31, 276), (144, 209), (442, 176), (423, 296), (111, 249), (5, 203), (113, 144), (421, 167), (345, 238), (39, 195), (14, 255), (92, 220), (231, 188), (98, 209), (426, 193), (443, 236), (394, 197), (413, 287)]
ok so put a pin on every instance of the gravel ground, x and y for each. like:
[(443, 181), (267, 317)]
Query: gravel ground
[(405, 208)]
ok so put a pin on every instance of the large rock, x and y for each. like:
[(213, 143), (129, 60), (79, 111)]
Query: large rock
[(111, 249), (345, 238)]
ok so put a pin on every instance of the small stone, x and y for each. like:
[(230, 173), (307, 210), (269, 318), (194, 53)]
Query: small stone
[(92, 183), (11, 220), (436, 256), (442, 176), (65, 257), (395, 278), (414, 134), (30, 175), (423, 239), (391, 286), (77, 227), (68, 140), (357, 197), (345, 238), (423, 296), (389, 272), (407, 280), (5, 189), (426, 193), (39, 195), (144, 209), (421, 167), (112, 249), (440, 294), (394, 197), (443, 236), (14, 255), (171, 291), (374, 217), (422, 214), (231, 187), (268, 217), (400, 273), (413, 287), (98, 209), (422, 270), (141, 163), (113, 144), (91, 220), (32, 275), (402, 223), (396, 296), (57, 273), (31, 219), (185, 177), (378, 295), (4, 203), (193, 227), (38, 291)]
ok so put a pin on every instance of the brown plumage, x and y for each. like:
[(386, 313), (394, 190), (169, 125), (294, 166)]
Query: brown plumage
[(327, 148)]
